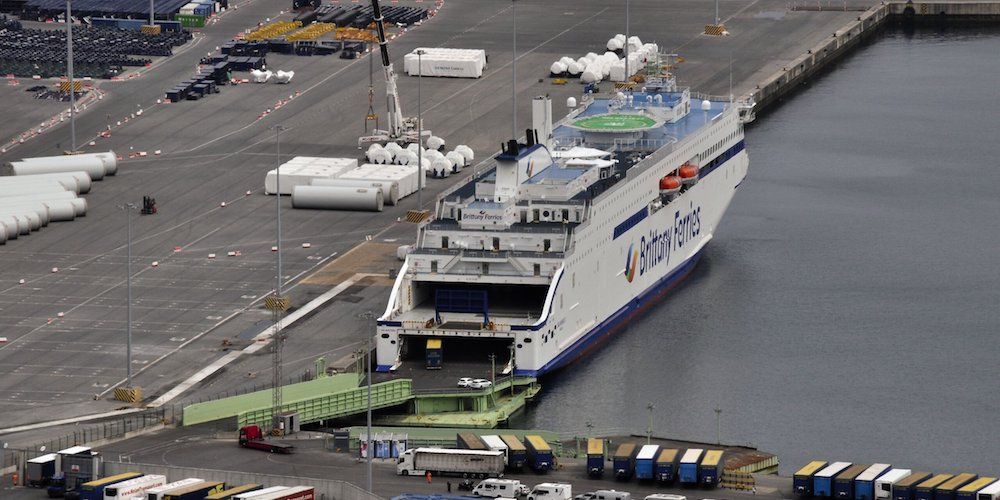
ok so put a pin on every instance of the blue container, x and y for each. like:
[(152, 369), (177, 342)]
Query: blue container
[(864, 485), (687, 472), (823, 481), (645, 462)]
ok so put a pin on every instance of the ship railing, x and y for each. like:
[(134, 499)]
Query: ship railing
[(494, 326), (712, 97)]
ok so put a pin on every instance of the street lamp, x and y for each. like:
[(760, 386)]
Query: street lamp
[(649, 430), (513, 70), (128, 208), (69, 70), (718, 426), (420, 131), (627, 75)]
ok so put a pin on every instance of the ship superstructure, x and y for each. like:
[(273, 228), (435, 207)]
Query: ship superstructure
[(572, 231)]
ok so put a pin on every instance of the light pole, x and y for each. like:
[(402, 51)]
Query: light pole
[(649, 430), (716, 12), (368, 382), (493, 376), (69, 70), (420, 132), (513, 70), (278, 305), (627, 75), (513, 367), (151, 18), (128, 208), (718, 426)]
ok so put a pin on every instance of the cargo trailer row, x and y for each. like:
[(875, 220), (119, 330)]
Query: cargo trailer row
[(532, 451), (694, 466), (849, 481)]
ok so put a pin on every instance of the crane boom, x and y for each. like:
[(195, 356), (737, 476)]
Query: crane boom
[(395, 111)]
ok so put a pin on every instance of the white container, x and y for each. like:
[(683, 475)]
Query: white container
[(302, 171), (15, 223), (337, 198), (109, 158), (78, 182), (34, 220)]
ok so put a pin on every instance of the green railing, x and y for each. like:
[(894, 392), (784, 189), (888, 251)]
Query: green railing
[(340, 404)]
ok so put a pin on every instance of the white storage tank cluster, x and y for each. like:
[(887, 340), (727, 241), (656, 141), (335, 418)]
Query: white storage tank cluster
[(96, 165), (594, 68), (301, 170), (439, 61), (30, 202)]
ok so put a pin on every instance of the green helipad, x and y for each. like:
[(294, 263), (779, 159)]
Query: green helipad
[(615, 122)]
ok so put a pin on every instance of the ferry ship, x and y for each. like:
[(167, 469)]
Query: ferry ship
[(570, 233)]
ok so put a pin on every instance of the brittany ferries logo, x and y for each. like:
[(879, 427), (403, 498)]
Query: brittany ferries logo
[(657, 246), (631, 261)]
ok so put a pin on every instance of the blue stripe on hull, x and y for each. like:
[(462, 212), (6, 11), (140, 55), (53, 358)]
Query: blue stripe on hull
[(612, 323)]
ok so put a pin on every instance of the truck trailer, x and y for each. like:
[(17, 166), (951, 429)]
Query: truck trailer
[(949, 488), (39, 470), (969, 491), (991, 492), (905, 488), (517, 454), (253, 437), (231, 492), (196, 491), (94, 490), (469, 441), (257, 494), (688, 469), (926, 489), (802, 481), (864, 484), (465, 463), (884, 484), (539, 453), (666, 465), (157, 493), (710, 468), (645, 462), (823, 480), (843, 483), (624, 461), (292, 493), (595, 457), (136, 487)]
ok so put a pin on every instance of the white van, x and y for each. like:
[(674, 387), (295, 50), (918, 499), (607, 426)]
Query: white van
[(551, 491), (666, 496), (499, 488), (612, 495)]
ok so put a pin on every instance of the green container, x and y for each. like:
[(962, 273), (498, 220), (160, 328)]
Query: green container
[(190, 20)]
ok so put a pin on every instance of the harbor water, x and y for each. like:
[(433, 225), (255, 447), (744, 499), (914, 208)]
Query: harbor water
[(848, 307)]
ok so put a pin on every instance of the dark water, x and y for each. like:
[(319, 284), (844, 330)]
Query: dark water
[(849, 306)]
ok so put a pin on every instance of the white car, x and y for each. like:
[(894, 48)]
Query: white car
[(480, 383), (465, 382)]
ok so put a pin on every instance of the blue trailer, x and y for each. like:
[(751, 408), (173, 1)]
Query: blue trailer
[(624, 461), (666, 465), (517, 454), (926, 489), (710, 468), (687, 472), (645, 462), (864, 484), (595, 457), (843, 484), (539, 453), (802, 481), (905, 488), (823, 480)]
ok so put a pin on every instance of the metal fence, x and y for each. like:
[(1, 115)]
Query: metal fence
[(93, 434)]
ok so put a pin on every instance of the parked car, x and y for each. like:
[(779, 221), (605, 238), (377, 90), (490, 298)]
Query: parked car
[(590, 495), (465, 382), (480, 383)]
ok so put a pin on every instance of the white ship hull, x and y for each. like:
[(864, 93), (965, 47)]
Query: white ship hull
[(626, 254)]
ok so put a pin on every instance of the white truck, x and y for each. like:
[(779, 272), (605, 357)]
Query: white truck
[(133, 488), (551, 491), (500, 488), (438, 461)]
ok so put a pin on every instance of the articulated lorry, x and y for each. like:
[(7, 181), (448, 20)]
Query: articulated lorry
[(437, 461), (252, 436)]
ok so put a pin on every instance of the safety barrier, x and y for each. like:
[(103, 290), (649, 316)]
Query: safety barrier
[(715, 29), (128, 394), (340, 404)]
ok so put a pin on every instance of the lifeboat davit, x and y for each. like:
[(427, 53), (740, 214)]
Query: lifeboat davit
[(670, 185), (688, 173)]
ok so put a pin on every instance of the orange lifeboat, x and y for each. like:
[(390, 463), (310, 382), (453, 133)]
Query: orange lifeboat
[(688, 173), (670, 185)]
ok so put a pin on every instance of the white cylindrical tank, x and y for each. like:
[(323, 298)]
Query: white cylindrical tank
[(432, 154), (9, 223), (109, 158), (93, 166), (615, 44), (28, 206), (390, 189), (3, 234), (566, 60), (337, 198), (16, 222), (412, 147), (374, 147), (406, 157), (35, 221), (42, 196), (574, 68), (19, 189), (434, 142), (592, 74), (58, 210), (571, 102), (467, 152), (706, 105), (591, 56), (77, 182), (557, 68)]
